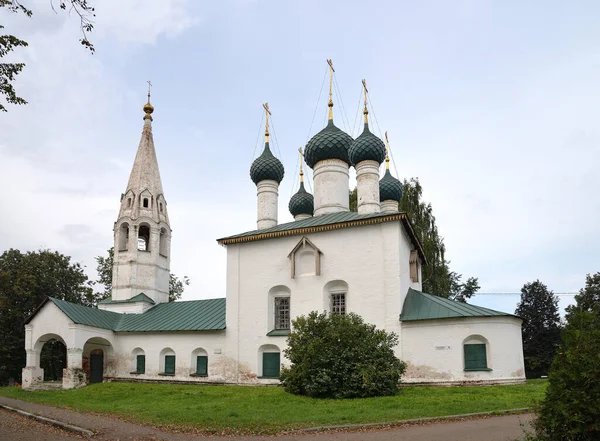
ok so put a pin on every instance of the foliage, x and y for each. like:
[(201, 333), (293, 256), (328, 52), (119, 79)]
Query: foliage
[(8, 71), (26, 279), (571, 406), (104, 267), (541, 327), (242, 410), (438, 279), (588, 298), (340, 356)]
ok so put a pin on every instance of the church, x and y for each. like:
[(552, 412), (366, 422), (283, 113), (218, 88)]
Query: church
[(328, 259)]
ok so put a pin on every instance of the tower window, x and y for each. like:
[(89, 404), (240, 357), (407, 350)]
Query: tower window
[(128, 202), (144, 238), (161, 208), (145, 202)]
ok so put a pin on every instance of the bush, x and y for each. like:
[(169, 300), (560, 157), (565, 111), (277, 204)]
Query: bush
[(571, 408), (340, 356)]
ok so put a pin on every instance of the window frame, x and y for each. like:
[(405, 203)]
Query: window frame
[(142, 358), (278, 311), (475, 357), (204, 373), (168, 371), (267, 355), (336, 309)]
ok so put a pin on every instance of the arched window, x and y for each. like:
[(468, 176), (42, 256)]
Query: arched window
[(163, 248), (167, 362), (199, 365), (139, 361), (475, 349), (144, 237), (269, 361), (279, 310), (335, 296), (123, 236)]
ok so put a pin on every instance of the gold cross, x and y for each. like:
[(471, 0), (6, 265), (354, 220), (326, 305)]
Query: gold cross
[(149, 86)]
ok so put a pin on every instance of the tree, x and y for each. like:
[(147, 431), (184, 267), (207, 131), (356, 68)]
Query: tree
[(541, 327), (26, 279), (438, 279), (340, 356), (8, 71), (104, 266), (571, 406), (589, 296)]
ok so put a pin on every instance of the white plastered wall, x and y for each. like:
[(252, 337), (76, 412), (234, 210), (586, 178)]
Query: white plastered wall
[(434, 349)]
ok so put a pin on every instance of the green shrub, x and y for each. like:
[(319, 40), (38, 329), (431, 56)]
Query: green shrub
[(570, 410), (340, 356)]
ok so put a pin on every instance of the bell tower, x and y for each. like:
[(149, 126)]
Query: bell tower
[(142, 232)]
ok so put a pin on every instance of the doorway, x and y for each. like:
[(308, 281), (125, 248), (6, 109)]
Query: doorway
[(96, 366)]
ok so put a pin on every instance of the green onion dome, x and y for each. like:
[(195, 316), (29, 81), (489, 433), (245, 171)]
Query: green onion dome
[(266, 166), (367, 147), (329, 143), (302, 202), (390, 188)]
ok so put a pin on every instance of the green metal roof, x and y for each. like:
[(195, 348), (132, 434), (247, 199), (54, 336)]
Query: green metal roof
[(421, 306), (84, 315), (196, 315), (141, 297), (326, 222)]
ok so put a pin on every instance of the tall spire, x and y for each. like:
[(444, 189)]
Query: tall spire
[(365, 111), (330, 103), (387, 152), (267, 113)]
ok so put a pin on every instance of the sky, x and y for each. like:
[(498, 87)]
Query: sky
[(493, 105)]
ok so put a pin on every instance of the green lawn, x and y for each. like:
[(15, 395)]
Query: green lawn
[(243, 409)]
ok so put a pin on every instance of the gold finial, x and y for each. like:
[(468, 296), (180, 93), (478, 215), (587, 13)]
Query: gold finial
[(267, 113), (365, 111), (301, 161), (148, 108), (387, 152), (330, 103)]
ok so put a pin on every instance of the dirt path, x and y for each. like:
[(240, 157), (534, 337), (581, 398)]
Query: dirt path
[(14, 427)]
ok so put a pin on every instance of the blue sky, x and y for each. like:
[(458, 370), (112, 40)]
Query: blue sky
[(494, 105)]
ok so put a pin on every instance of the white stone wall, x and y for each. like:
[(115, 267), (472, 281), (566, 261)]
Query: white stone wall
[(367, 187), (434, 349), (266, 200), (331, 177)]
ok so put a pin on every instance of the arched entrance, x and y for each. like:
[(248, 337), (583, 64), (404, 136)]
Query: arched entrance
[(97, 359), (53, 359)]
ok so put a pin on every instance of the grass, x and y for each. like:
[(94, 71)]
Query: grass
[(245, 410)]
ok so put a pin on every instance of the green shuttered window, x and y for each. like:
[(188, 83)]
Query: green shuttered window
[(202, 365), (140, 365), (169, 364), (271, 364), (475, 357)]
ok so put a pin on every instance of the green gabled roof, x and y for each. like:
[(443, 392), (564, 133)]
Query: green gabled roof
[(326, 222), (84, 315), (195, 315), (141, 297), (421, 306)]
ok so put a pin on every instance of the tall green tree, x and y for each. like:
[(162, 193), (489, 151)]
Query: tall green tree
[(438, 279), (9, 71), (570, 409), (26, 279), (541, 327), (104, 266)]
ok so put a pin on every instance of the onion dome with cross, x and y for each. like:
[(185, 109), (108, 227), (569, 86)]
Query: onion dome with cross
[(266, 166), (367, 147)]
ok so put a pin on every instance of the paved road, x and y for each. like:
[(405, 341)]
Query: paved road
[(16, 428)]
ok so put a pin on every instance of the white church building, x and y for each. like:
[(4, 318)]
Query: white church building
[(328, 259)]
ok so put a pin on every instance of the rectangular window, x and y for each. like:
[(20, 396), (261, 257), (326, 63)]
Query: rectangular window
[(271, 364), (282, 313), (169, 364), (202, 365), (140, 365), (475, 357), (338, 303)]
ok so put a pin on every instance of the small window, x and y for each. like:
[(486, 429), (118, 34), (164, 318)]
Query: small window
[(202, 365), (338, 303), (128, 202), (161, 207), (475, 357), (145, 202), (170, 364), (271, 361), (140, 365), (282, 313)]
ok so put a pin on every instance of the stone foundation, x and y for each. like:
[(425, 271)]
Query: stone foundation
[(32, 377)]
